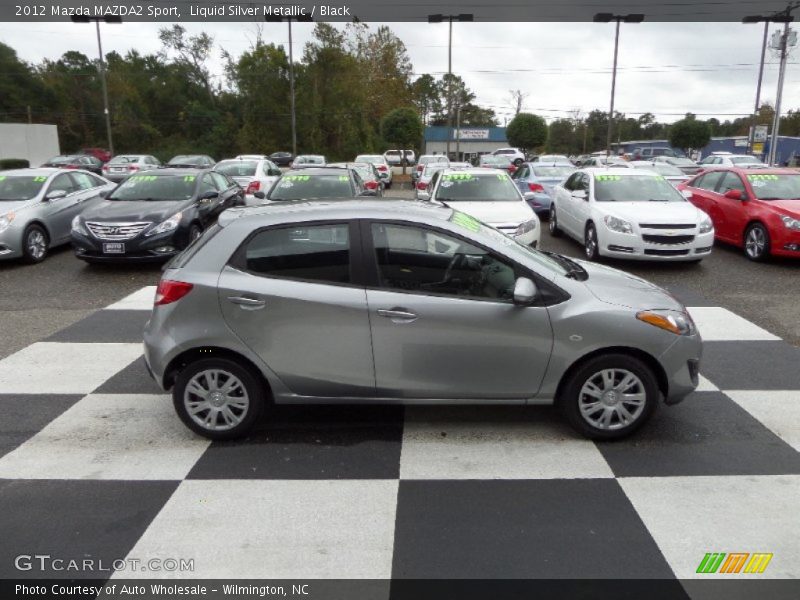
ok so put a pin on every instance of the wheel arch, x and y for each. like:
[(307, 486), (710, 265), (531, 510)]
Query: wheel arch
[(182, 360), (43, 225), (648, 359)]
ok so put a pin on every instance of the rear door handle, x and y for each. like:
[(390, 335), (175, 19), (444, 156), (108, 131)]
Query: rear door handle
[(397, 314), (247, 303)]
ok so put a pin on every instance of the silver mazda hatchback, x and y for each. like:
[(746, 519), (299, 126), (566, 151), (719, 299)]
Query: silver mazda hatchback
[(354, 301)]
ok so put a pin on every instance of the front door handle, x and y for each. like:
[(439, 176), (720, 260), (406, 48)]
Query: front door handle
[(397, 314), (247, 303)]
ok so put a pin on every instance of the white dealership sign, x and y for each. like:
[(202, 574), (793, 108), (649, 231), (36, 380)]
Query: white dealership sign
[(471, 134)]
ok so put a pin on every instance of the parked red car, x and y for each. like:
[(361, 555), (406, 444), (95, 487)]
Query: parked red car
[(100, 154), (755, 209)]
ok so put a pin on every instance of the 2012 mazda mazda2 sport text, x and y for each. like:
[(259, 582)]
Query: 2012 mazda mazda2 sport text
[(354, 301)]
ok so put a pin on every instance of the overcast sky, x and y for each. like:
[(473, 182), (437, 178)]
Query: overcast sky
[(665, 68)]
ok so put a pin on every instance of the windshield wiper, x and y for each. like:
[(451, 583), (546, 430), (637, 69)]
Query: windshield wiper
[(574, 270)]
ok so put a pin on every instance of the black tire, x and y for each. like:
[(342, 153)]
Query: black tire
[(757, 243), (35, 244), (247, 417), (571, 397), (553, 223), (195, 231), (389, 185), (518, 162), (591, 250)]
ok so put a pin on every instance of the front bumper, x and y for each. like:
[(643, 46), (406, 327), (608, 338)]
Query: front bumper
[(785, 242), (634, 247), (11, 241), (681, 363), (157, 248)]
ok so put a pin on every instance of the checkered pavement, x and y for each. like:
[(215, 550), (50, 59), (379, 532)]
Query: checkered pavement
[(94, 463)]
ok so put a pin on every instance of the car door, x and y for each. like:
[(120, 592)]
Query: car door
[(209, 208), (582, 207), (730, 214), (443, 322), (290, 295), (566, 205), (58, 213), (704, 193), (230, 192)]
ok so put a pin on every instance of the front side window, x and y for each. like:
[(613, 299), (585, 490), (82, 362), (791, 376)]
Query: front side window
[(221, 181), (415, 259), (207, 184), (62, 183), (731, 181), (318, 253), (84, 181)]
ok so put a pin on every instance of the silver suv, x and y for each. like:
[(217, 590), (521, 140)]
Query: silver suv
[(362, 301)]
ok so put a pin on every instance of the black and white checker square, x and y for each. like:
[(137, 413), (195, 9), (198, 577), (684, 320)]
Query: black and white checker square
[(414, 492)]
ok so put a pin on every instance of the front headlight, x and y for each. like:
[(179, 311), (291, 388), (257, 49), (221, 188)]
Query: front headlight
[(77, 225), (525, 227), (5, 220), (618, 225), (169, 225), (679, 323), (706, 226), (788, 221)]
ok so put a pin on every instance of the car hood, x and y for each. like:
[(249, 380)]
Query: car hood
[(16, 205), (133, 210), (623, 289), (495, 212), (790, 208), (652, 212)]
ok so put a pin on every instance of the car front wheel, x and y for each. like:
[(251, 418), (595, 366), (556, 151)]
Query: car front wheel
[(590, 244), (553, 223), (609, 396), (756, 242), (35, 244), (218, 398)]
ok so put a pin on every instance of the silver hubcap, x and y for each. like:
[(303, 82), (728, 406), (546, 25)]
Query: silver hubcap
[(612, 399), (196, 233), (591, 243), (216, 400), (756, 242), (37, 244)]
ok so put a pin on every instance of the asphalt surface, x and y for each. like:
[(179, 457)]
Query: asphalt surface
[(38, 300)]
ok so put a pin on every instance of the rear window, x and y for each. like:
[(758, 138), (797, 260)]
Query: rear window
[(553, 171), (237, 168), (123, 160)]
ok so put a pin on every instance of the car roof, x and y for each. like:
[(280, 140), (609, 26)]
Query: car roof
[(40, 171)]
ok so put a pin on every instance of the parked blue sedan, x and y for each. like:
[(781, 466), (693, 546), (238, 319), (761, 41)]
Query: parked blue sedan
[(536, 181)]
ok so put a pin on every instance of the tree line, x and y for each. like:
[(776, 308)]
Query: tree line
[(348, 80)]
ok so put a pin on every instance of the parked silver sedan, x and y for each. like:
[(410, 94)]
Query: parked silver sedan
[(406, 302), (37, 207)]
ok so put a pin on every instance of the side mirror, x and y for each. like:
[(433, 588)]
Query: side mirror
[(687, 194), (260, 195), (422, 195), (524, 291), (734, 195), (56, 195), (209, 195), (104, 193), (580, 194)]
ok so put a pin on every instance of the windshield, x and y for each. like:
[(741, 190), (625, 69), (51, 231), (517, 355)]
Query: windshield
[(473, 225), (20, 187), (155, 188), (307, 187), (681, 161), (495, 160), (237, 168), (123, 160), (553, 171), (369, 158), (634, 188), (772, 187), (431, 168), (741, 160), (473, 187)]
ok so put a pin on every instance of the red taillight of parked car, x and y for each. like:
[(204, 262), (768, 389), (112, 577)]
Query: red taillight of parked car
[(535, 187), (253, 187), (383, 168), (422, 186), (105, 167), (512, 167), (133, 167), (420, 168), (169, 291), (371, 185)]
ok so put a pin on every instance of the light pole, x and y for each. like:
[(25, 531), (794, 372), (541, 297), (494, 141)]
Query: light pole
[(463, 17), (107, 19), (275, 19), (607, 18)]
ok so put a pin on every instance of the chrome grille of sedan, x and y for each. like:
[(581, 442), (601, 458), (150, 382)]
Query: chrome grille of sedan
[(116, 231)]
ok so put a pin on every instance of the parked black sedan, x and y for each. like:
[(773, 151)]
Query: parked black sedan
[(153, 216), (282, 159), (76, 161)]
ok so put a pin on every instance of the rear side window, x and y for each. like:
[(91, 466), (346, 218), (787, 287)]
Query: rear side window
[(318, 253)]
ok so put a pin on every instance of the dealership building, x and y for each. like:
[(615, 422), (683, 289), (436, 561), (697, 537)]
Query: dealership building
[(464, 143), (788, 146)]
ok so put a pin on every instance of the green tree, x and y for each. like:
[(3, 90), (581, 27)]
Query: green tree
[(425, 95), (527, 131), (689, 133), (402, 128), (561, 137)]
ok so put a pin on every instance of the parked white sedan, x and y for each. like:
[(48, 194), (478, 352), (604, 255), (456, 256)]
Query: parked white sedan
[(253, 175), (490, 196), (628, 213)]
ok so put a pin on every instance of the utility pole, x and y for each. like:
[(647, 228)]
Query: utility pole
[(458, 131)]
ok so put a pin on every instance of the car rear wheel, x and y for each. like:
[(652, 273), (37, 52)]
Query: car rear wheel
[(35, 244), (609, 396), (756, 242), (218, 398), (591, 246), (518, 162), (195, 231), (553, 223)]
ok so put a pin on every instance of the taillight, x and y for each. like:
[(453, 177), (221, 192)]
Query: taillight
[(71, 167), (512, 168), (133, 168), (253, 187), (371, 185), (105, 167), (536, 187), (383, 168), (420, 167), (169, 291), (422, 186)]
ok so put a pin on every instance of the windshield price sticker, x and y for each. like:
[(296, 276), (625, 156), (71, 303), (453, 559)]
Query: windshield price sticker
[(38, 179), (465, 221), (609, 177), (145, 178), (296, 177), (762, 177), (187, 178), (502, 176), (344, 178), (457, 176), (2, 177)]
